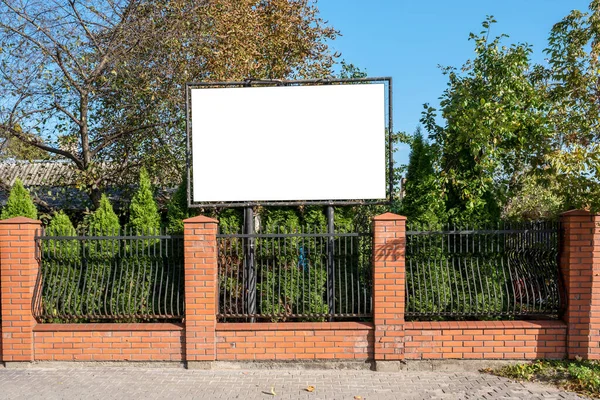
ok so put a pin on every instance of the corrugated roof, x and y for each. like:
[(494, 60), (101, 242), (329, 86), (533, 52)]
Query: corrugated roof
[(52, 182), (37, 173)]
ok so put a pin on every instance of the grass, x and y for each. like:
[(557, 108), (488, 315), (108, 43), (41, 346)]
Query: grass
[(577, 376)]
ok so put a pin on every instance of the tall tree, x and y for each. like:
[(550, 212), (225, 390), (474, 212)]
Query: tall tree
[(495, 111), (101, 83), (511, 126), (573, 157), (423, 200)]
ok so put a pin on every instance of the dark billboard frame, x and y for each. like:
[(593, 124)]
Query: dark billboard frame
[(277, 82)]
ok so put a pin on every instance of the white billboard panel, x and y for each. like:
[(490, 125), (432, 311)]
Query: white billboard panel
[(288, 143)]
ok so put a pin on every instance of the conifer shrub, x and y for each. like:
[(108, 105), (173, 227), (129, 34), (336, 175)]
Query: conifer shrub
[(138, 276), (60, 225), (103, 221), (61, 268), (99, 264), (143, 212), (19, 203)]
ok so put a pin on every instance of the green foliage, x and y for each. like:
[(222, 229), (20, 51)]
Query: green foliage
[(143, 213), (350, 71), (437, 284), (295, 276), (283, 219), (60, 225), (19, 203), (423, 200), (344, 219), (104, 220), (291, 272), (508, 122), (177, 209), (98, 270), (572, 153), (14, 149), (290, 289), (138, 278), (231, 220), (535, 200), (586, 377), (495, 120), (61, 266), (95, 278), (310, 219), (314, 219), (578, 376)]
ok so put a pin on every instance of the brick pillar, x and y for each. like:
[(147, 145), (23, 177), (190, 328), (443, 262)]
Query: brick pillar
[(389, 244), (200, 252), (18, 273), (580, 265)]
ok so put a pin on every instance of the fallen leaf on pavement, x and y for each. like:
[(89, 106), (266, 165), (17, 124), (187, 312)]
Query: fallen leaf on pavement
[(310, 389)]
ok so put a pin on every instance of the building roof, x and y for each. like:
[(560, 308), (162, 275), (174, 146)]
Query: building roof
[(37, 173), (52, 185)]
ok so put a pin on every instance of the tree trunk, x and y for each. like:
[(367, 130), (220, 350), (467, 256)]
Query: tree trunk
[(95, 195)]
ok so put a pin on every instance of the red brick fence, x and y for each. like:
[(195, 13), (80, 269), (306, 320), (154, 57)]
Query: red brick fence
[(200, 339)]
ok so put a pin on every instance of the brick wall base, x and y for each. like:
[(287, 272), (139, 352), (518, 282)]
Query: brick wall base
[(108, 342), (325, 341), (295, 341), (504, 340)]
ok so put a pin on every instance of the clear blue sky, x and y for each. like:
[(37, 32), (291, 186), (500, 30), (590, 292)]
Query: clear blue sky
[(408, 39)]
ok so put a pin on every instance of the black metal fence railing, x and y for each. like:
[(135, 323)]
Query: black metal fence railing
[(510, 270), (114, 277), (294, 276)]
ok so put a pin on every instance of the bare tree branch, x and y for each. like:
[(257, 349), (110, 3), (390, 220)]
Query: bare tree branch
[(112, 138), (68, 113), (19, 135)]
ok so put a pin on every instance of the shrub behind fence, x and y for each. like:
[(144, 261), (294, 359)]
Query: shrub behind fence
[(110, 277), (305, 276), (510, 270)]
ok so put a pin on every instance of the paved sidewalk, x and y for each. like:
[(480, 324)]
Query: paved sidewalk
[(178, 383)]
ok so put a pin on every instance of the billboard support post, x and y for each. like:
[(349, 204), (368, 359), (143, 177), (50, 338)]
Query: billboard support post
[(249, 261), (330, 262)]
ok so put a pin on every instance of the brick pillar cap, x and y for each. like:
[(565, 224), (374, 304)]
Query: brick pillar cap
[(389, 217), (575, 213), (21, 220), (200, 219)]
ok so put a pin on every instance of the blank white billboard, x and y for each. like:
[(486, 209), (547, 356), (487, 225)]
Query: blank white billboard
[(288, 143)]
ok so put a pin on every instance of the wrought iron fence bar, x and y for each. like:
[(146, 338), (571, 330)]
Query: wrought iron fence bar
[(119, 277), (298, 315), (115, 237), (476, 232), (460, 272), (288, 235), (470, 315)]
